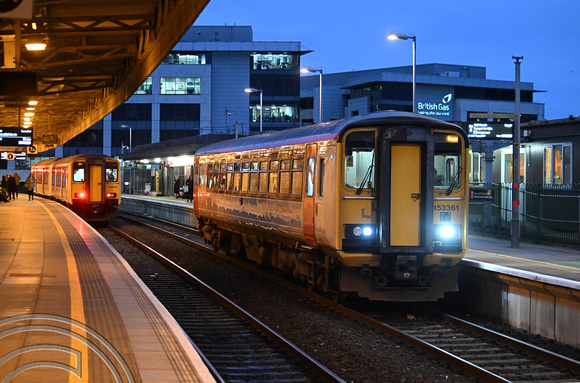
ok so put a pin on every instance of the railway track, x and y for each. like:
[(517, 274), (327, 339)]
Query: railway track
[(236, 346), (484, 354)]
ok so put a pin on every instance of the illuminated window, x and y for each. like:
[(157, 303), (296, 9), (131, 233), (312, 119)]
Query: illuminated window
[(180, 85), (146, 87), (558, 164), (264, 61), (185, 58), (78, 172)]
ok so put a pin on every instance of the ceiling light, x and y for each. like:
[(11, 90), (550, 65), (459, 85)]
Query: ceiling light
[(36, 44)]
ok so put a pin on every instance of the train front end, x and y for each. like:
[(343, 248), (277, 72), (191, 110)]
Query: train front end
[(95, 188), (403, 205)]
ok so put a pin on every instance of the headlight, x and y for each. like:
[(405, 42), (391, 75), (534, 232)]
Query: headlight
[(447, 234), (359, 231)]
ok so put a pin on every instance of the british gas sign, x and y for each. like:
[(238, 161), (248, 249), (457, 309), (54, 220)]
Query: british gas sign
[(439, 109)]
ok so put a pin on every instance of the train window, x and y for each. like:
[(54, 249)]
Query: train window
[(230, 181), (310, 177), (447, 162), (57, 177), (297, 182), (222, 181), (285, 177), (111, 172), (78, 172), (245, 176), (273, 184), (237, 166), (223, 166), (321, 178), (263, 180), (254, 177), (237, 182), (230, 167), (359, 159)]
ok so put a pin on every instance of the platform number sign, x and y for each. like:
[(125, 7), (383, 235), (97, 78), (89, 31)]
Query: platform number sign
[(31, 150), (10, 156)]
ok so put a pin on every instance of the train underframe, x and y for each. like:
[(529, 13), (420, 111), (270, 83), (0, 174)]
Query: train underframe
[(397, 279)]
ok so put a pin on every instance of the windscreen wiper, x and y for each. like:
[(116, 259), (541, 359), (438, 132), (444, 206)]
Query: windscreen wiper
[(454, 182), (366, 177)]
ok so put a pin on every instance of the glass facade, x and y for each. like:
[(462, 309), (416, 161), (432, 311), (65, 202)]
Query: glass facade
[(135, 116), (186, 58), (146, 87), (178, 121), (180, 85), (263, 61)]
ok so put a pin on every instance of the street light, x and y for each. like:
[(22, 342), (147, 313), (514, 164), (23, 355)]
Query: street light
[(130, 144), (306, 70), (398, 36), (253, 90)]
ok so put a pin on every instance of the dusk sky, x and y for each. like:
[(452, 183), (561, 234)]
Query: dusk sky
[(351, 35)]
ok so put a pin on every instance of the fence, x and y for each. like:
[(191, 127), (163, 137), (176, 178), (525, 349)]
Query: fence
[(547, 213)]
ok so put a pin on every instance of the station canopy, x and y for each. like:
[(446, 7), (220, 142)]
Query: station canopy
[(97, 54)]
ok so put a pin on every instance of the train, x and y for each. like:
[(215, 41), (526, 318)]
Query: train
[(374, 206), (89, 184)]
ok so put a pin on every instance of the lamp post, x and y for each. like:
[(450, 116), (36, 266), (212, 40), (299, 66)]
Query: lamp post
[(252, 90), (306, 70), (398, 36), (229, 113), (131, 187)]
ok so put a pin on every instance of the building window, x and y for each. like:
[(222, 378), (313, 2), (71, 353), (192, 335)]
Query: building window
[(180, 85), (146, 87), (274, 113), (186, 58), (261, 61), (558, 164), (178, 121)]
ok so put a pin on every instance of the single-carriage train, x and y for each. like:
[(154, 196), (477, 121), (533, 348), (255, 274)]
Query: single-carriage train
[(375, 205), (86, 183)]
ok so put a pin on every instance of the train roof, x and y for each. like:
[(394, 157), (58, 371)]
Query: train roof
[(330, 130), (72, 158)]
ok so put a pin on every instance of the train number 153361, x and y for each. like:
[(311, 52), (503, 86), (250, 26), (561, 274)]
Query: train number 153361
[(445, 207)]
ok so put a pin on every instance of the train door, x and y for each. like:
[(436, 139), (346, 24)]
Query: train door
[(95, 183), (407, 197), (308, 197)]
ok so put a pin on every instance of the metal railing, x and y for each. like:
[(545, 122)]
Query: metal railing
[(548, 213)]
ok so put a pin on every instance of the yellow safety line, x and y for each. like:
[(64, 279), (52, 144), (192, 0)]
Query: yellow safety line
[(76, 302), (524, 259)]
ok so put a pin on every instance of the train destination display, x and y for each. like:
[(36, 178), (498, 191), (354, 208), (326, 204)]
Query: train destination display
[(490, 131)]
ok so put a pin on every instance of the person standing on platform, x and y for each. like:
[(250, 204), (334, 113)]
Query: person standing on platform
[(11, 186), (176, 187), (30, 184), (4, 185), (17, 180), (189, 184)]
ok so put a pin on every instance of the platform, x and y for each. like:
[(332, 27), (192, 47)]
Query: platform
[(559, 266), (71, 309)]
